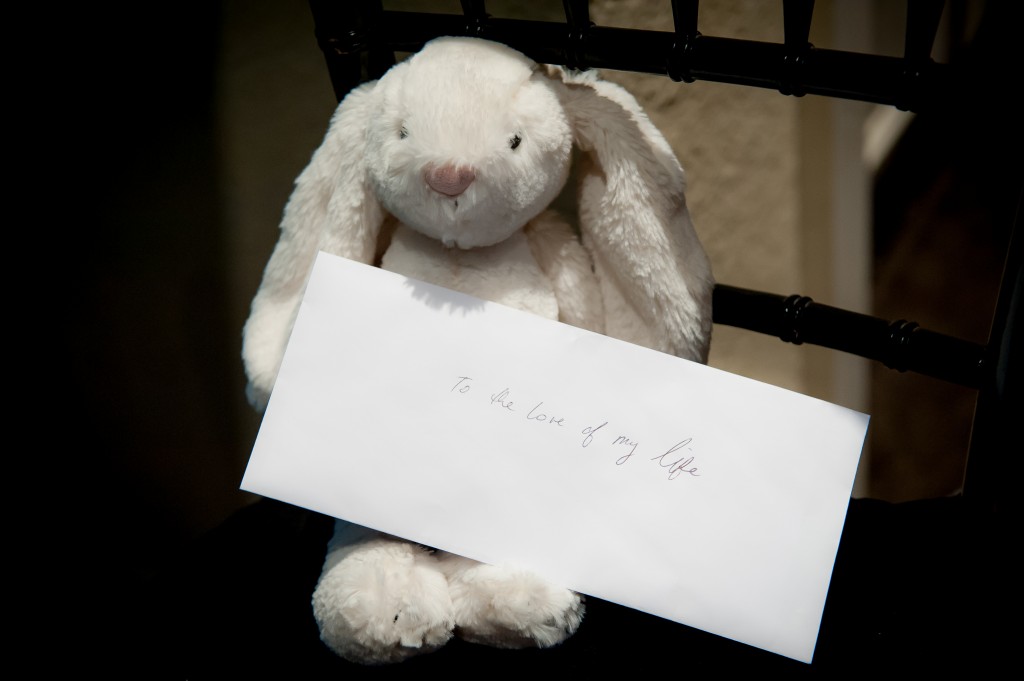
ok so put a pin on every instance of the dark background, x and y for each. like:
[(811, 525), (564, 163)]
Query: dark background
[(944, 203), (133, 380), (149, 356)]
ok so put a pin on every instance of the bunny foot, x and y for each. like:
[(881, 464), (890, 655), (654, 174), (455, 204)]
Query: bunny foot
[(509, 608), (382, 600)]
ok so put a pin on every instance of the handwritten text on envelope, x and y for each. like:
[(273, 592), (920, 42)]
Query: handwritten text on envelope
[(620, 472)]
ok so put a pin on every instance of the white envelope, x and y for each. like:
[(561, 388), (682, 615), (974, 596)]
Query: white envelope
[(620, 472)]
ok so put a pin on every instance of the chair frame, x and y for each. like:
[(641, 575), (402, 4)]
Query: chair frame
[(359, 41)]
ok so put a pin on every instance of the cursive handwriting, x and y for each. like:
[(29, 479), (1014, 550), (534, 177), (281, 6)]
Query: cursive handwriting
[(679, 465), (502, 400), (590, 431), (537, 415), (464, 388), (623, 440), (678, 459)]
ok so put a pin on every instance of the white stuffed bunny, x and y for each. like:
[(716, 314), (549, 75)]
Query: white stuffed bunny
[(444, 170)]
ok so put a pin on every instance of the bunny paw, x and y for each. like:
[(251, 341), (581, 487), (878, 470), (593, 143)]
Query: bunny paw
[(509, 608), (382, 601)]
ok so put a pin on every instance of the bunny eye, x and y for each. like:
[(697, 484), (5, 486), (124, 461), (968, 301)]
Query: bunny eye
[(515, 141), (403, 133)]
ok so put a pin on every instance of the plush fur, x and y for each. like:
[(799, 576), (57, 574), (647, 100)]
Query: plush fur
[(444, 170)]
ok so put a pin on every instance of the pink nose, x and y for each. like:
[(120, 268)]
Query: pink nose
[(449, 179)]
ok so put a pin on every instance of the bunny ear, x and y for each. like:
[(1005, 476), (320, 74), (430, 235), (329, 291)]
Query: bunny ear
[(330, 209), (654, 273)]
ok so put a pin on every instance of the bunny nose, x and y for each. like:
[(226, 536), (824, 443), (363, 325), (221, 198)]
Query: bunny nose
[(448, 179)]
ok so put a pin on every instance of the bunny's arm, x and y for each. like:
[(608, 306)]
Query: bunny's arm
[(330, 209), (568, 266)]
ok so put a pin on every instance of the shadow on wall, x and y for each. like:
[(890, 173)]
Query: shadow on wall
[(944, 206), (150, 351)]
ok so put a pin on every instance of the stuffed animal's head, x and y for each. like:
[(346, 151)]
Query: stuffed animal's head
[(468, 141)]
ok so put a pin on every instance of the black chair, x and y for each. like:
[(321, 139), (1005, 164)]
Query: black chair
[(918, 586)]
